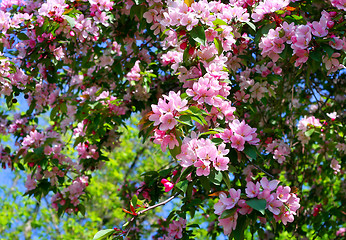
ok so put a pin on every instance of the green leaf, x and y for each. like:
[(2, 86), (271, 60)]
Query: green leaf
[(134, 200), (185, 119), (218, 46), (219, 22), (22, 36), (20, 166), (103, 234), (226, 179), (63, 107), (70, 20), (309, 132), (257, 204), (217, 141), (251, 152), (215, 177), (251, 25), (198, 34), (238, 233), (205, 183), (81, 208), (228, 213), (328, 50), (316, 55), (182, 185)]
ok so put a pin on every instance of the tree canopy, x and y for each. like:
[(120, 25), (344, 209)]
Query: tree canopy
[(241, 106)]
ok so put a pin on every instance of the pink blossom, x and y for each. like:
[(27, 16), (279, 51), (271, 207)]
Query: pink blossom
[(335, 166), (203, 168), (167, 184), (287, 217), (221, 163), (273, 204), (175, 229), (238, 142), (229, 224), (167, 121), (283, 193), (252, 190), (245, 209)]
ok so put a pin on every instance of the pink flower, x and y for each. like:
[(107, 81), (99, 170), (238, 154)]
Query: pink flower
[(167, 121), (266, 185), (273, 204), (245, 209), (283, 193), (252, 190), (175, 229), (229, 224), (238, 142), (167, 184), (221, 163), (203, 168), (335, 166), (287, 217)]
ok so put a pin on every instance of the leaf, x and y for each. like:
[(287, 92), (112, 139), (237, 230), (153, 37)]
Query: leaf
[(205, 183), (228, 213), (185, 119), (70, 20), (198, 34), (217, 141), (328, 50), (257, 204), (309, 132), (193, 225), (134, 200), (219, 22), (251, 25), (20, 166), (103, 234), (226, 179), (316, 55), (182, 185), (22, 36), (215, 177), (187, 171), (218, 46), (251, 152), (238, 233), (81, 208)]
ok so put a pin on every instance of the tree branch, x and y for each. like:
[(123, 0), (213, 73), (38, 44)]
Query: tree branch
[(258, 167), (149, 208)]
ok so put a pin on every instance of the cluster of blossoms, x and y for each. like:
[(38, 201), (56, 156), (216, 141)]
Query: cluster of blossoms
[(279, 149), (175, 230), (300, 37), (279, 200), (238, 134), (305, 124), (164, 115), (203, 154), (71, 194)]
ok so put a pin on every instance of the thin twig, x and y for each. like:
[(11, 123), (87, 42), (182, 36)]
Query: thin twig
[(258, 167), (149, 208)]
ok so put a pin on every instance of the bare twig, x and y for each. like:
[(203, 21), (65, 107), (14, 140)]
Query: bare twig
[(149, 208), (258, 167)]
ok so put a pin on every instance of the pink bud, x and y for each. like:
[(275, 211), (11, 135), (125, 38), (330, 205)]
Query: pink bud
[(72, 34), (330, 24), (332, 14)]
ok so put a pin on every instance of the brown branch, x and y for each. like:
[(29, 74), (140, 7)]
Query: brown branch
[(258, 167), (149, 208)]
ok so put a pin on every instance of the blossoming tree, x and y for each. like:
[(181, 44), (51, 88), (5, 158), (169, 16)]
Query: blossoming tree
[(247, 96)]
